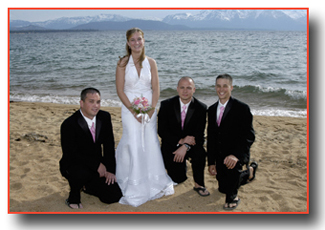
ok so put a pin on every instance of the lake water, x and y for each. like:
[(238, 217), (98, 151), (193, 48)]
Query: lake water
[(269, 68)]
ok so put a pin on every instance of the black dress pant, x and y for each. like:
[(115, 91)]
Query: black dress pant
[(177, 170), (79, 178), (230, 180)]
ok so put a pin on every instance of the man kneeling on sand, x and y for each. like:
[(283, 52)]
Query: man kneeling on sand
[(85, 163), (230, 136)]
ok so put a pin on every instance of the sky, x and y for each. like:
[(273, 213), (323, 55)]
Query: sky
[(44, 15)]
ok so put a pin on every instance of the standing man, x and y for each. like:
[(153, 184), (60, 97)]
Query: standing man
[(84, 163), (181, 125), (230, 136)]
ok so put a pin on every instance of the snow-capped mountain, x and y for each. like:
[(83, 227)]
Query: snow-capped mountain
[(205, 19), (295, 14), (242, 19), (230, 14), (67, 23), (70, 22)]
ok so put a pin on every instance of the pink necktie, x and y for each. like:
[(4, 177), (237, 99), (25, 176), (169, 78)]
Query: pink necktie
[(92, 130), (183, 115), (222, 108)]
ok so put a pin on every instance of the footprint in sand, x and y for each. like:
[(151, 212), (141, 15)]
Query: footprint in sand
[(16, 186)]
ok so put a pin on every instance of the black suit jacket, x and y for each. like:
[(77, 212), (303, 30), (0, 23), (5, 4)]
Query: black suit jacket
[(78, 147), (235, 135), (169, 124)]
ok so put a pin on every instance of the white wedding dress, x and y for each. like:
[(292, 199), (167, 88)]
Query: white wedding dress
[(140, 170)]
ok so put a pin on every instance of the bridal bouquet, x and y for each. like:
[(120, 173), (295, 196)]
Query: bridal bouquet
[(140, 105)]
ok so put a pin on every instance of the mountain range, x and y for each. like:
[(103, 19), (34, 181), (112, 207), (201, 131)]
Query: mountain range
[(243, 19), (205, 19)]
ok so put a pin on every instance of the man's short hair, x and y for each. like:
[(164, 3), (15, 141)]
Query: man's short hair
[(84, 92), (225, 76), (187, 78)]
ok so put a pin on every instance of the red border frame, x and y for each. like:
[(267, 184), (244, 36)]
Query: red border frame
[(155, 8)]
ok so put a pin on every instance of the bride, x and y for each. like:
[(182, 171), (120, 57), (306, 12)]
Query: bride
[(140, 170)]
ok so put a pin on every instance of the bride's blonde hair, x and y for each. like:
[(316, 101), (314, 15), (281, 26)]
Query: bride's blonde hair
[(129, 33)]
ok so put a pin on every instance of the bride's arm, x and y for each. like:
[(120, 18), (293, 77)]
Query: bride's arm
[(154, 84)]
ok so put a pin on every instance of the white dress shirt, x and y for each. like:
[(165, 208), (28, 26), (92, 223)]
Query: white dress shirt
[(89, 121), (218, 108), (182, 104)]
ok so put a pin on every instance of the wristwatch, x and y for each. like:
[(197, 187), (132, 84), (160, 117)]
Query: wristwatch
[(187, 146)]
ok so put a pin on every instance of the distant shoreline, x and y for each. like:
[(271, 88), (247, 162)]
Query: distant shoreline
[(191, 29)]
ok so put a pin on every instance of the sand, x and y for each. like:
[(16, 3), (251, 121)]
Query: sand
[(36, 185)]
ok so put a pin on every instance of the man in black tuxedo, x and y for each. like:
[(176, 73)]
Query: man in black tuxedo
[(88, 159), (181, 125), (230, 136)]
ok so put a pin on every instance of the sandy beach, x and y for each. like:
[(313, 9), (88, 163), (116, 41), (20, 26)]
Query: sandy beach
[(36, 184)]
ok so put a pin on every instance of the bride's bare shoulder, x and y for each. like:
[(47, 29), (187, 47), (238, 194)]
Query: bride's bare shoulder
[(123, 61)]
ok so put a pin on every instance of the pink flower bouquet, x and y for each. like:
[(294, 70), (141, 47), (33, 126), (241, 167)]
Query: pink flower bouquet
[(141, 105)]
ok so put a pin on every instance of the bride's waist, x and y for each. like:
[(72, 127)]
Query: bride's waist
[(137, 93)]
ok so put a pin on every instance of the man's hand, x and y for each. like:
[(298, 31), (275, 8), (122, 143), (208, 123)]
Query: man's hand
[(110, 178), (180, 154), (212, 170), (230, 161), (101, 170), (188, 140)]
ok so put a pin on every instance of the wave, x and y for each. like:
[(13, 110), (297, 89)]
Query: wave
[(248, 90), (71, 100), (280, 113), (272, 91)]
